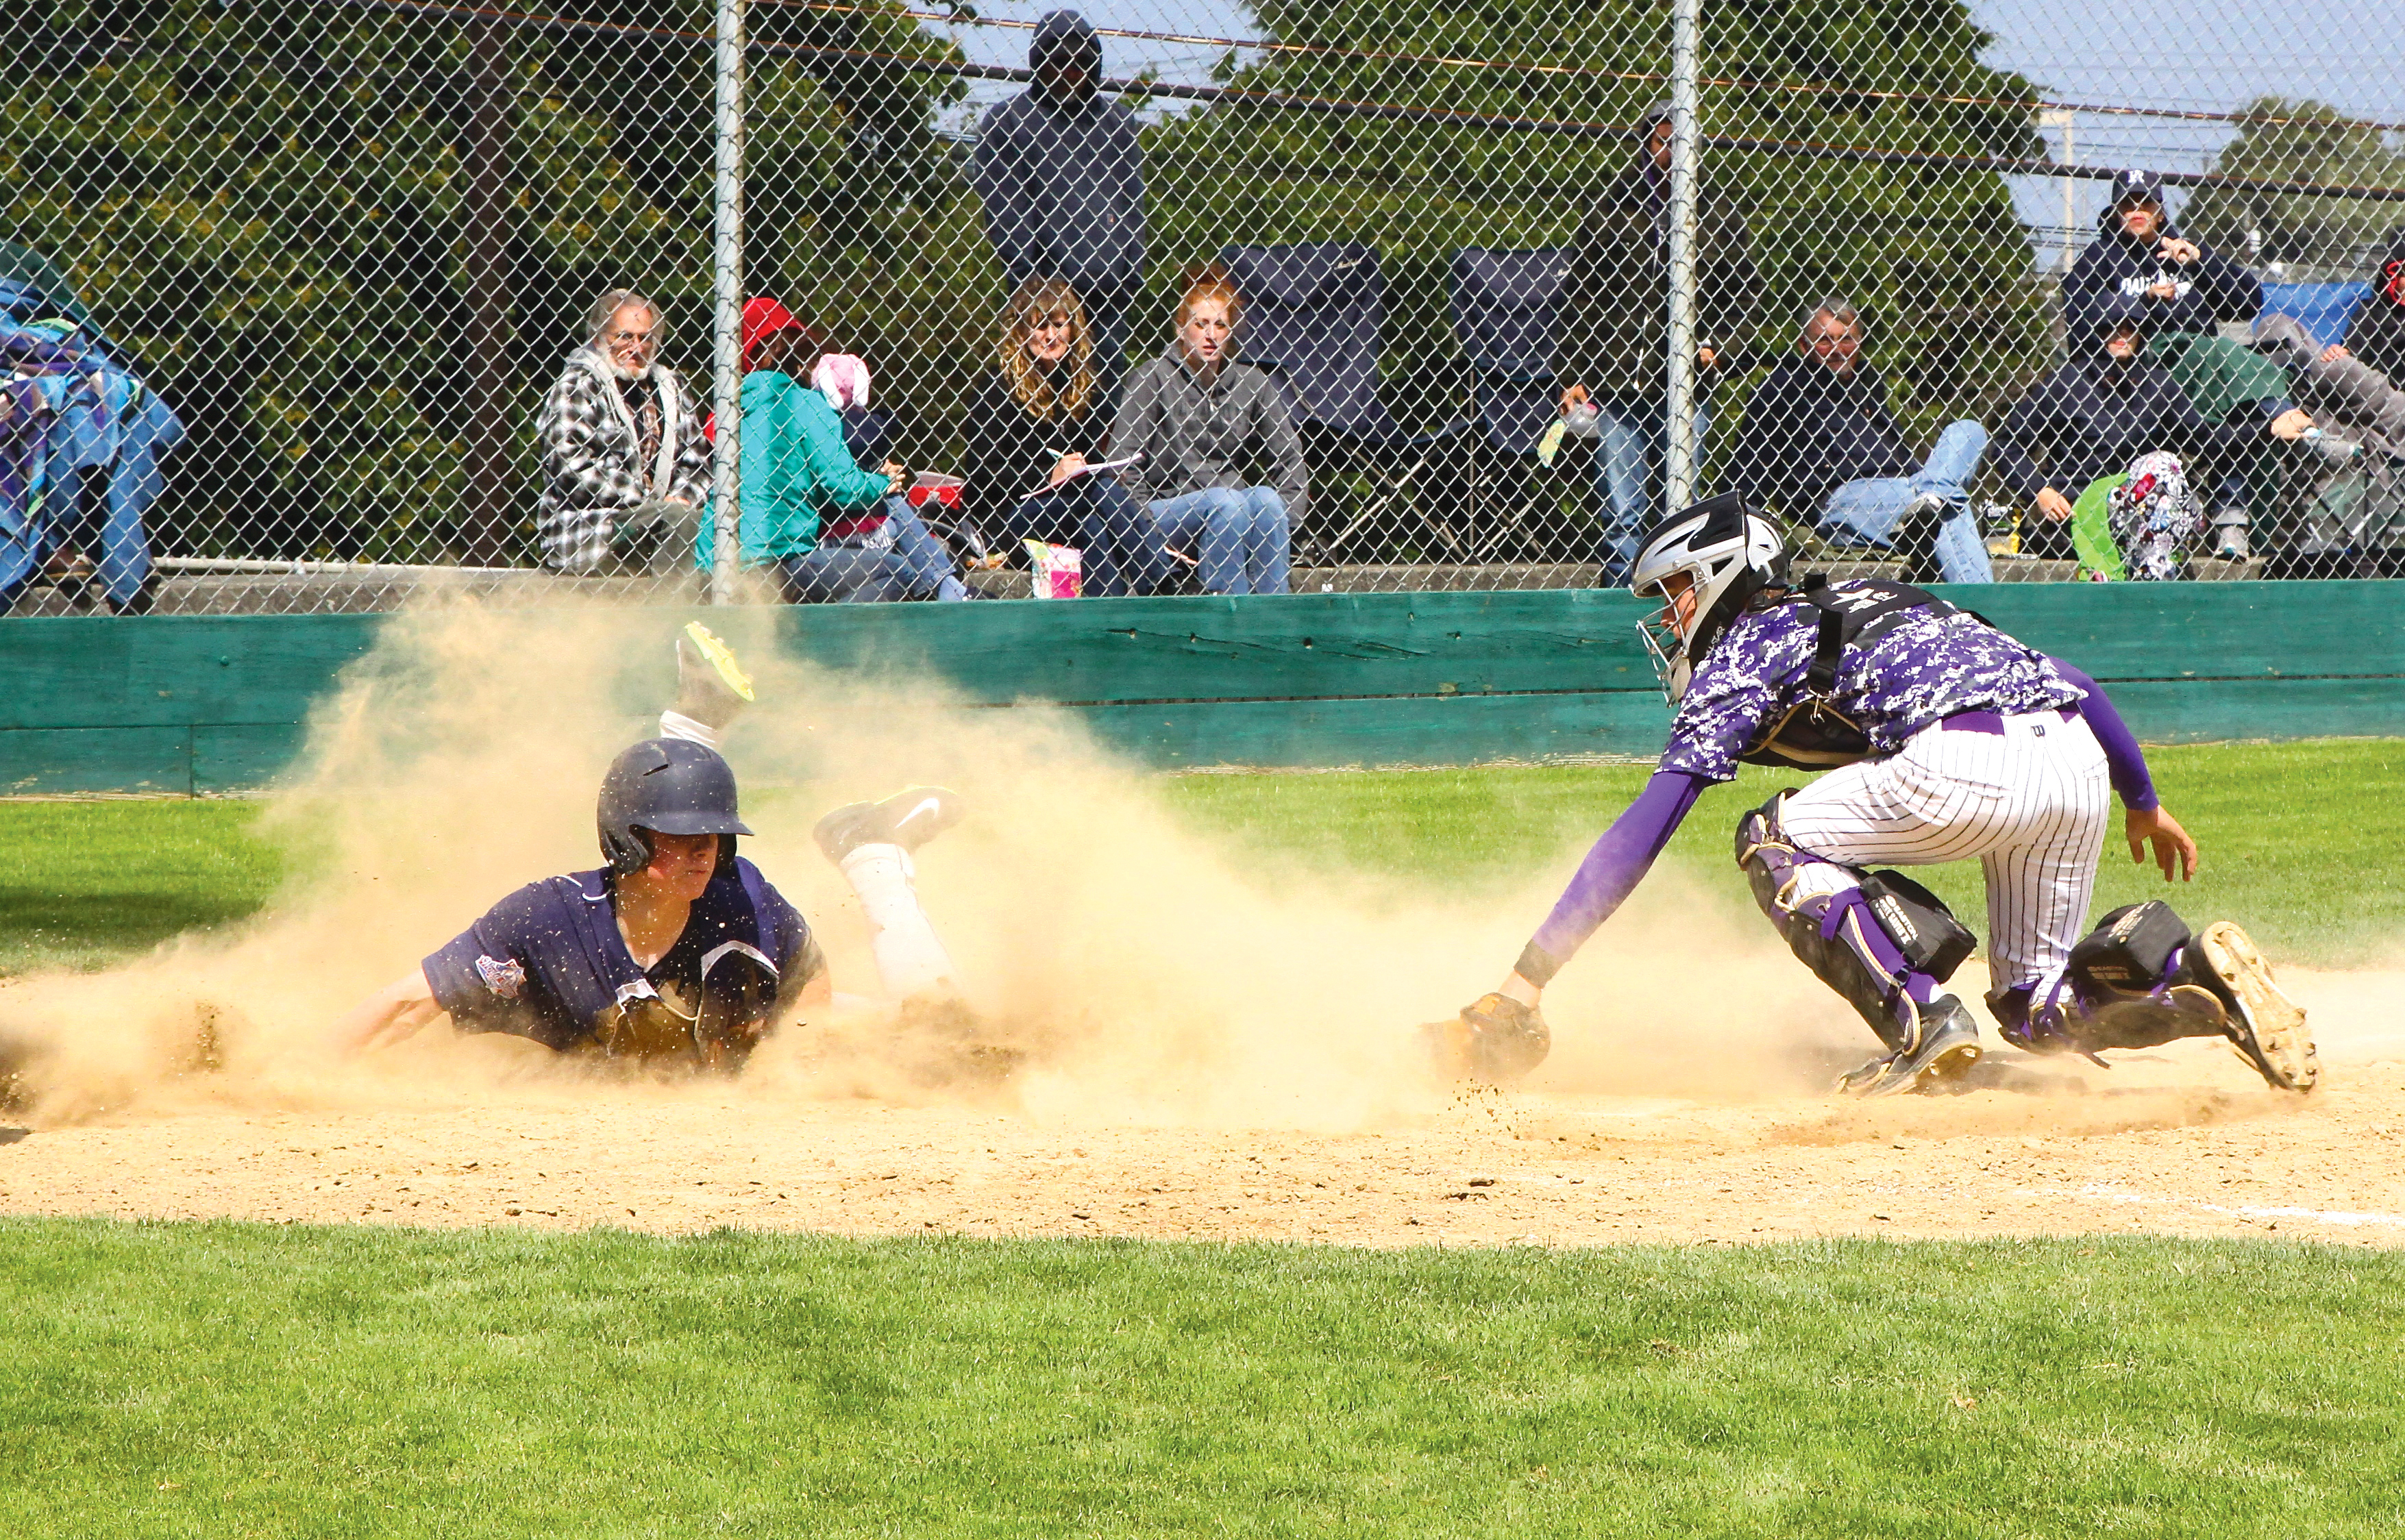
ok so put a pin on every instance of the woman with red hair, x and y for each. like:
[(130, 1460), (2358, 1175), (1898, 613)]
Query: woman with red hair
[(1195, 416)]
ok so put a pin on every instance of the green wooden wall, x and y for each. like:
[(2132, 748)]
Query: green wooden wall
[(200, 704)]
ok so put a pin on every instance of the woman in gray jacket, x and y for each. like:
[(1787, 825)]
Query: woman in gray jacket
[(1194, 414)]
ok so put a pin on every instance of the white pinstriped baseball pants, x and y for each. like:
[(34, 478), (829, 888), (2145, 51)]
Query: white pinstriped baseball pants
[(2031, 804)]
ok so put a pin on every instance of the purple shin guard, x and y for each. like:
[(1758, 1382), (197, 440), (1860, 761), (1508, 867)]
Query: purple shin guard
[(1834, 934)]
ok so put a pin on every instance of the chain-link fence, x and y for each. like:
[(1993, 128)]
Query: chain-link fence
[(303, 296)]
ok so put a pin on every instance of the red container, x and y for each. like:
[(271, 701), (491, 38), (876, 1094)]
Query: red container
[(936, 487)]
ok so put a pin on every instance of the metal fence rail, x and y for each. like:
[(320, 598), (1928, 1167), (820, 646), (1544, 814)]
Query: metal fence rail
[(288, 285)]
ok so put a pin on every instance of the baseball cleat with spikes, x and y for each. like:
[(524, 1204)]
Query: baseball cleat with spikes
[(2266, 1028), (1945, 1045)]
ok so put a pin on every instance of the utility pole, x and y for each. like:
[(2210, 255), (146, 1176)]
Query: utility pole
[(2059, 117)]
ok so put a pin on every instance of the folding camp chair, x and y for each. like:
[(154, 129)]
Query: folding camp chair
[(1311, 318), (1503, 318)]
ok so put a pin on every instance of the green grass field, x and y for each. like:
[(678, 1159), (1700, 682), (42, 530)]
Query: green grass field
[(182, 1380), (254, 1380)]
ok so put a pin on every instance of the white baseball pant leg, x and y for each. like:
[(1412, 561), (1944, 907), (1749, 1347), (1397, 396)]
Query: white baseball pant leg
[(2031, 804), (911, 957)]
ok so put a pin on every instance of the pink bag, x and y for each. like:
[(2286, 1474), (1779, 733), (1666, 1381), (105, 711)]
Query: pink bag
[(1055, 569)]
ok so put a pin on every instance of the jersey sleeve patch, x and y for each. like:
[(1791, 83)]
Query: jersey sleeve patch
[(503, 976)]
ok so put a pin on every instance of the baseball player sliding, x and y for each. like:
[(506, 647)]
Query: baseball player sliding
[(677, 951), (1944, 739)]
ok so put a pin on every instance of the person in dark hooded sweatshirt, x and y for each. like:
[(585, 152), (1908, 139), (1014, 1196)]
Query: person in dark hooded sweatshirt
[(2108, 405), (2180, 287), (1060, 176)]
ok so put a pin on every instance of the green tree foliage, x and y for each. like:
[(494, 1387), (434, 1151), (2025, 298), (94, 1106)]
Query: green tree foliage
[(265, 201), (2306, 141), (1935, 258)]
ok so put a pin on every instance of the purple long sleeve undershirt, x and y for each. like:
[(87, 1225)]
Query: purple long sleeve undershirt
[(1610, 871), (2122, 751)]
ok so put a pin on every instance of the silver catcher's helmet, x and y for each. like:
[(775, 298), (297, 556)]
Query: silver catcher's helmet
[(1729, 554)]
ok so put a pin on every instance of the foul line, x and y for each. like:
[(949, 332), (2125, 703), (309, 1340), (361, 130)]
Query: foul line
[(2347, 1217)]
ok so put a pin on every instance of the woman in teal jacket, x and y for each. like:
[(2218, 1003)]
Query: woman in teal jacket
[(798, 479)]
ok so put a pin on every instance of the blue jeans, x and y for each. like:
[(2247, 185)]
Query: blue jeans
[(1632, 446), (1869, 509), (843, 574), (933, 575), (1123, 550), (1239, 532)]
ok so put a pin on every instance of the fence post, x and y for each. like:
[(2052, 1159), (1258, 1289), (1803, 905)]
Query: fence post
[(486, 521), (1678, 463), (727, 362)]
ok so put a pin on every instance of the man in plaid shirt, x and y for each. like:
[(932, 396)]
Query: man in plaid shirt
[(625, 462)]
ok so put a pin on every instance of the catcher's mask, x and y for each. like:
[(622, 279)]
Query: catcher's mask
[(670, 787), (1729, 554)]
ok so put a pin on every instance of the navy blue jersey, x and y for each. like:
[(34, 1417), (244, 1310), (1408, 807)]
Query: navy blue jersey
[(548, 962)]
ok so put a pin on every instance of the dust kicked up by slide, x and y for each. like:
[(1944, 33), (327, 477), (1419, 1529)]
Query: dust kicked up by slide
[(1216, 1046)]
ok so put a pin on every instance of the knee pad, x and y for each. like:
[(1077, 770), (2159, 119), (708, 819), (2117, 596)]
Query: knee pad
[(1915, 920), (2131, 951), (1766, 858)]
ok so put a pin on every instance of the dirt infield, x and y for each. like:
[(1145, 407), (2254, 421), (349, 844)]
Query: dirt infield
[(1221, 1046), (2182, 1140)]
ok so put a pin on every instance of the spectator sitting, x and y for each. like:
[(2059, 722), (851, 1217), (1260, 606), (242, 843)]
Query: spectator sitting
[(2093, 417), (1819, 444), (1194, 414), (2352, 515), (800, 483), (1034, 424), (1611, 347), (2336, 384), (624, 463), (2179, 286), (2377, 335), (1060, 178)]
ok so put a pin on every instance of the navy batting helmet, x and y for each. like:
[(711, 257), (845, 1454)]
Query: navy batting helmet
[(666, 786)]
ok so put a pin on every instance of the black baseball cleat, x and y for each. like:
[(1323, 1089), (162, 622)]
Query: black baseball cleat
[(711, 687), (907, 819), (2266, 1028), (1946, 1044)]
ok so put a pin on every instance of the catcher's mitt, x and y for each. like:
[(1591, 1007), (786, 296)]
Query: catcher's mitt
[(1496, 1040)]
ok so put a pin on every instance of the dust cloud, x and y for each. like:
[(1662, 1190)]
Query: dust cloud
[(1158, 975)]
